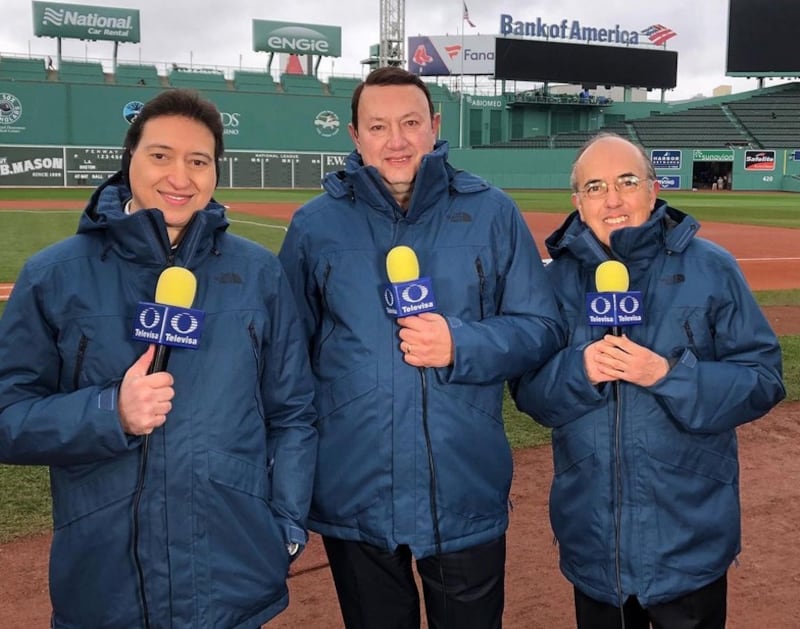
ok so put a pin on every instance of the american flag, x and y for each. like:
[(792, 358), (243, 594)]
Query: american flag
[(658, 33), (466, 16)]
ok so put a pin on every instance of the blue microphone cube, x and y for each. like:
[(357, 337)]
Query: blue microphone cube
[(614, 309), (403, 299), (168, 325)]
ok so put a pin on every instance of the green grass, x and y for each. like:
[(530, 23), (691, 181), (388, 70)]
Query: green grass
[(25, 504), (24, 491)]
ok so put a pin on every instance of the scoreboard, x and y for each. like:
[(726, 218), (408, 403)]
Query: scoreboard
[(91, 166)]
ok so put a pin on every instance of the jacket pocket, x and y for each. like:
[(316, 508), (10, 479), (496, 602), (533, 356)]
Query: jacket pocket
[(470, 449), (349, 468), (247, 553), (697, 512)]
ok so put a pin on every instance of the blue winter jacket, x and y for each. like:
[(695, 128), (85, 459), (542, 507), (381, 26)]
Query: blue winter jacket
[(229, 475), (659, 463), (373, 481)]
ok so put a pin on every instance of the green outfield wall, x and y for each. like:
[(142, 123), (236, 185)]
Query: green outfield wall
[(68, 134)]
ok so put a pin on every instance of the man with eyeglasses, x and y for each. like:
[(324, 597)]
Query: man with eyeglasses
[(644, 501)]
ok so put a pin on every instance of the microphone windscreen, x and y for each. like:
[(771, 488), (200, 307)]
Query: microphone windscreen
[(176, 287), (402, 264), (611, 277)]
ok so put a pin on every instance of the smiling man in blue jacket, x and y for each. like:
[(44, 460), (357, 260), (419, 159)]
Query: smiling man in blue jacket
[(179, 496), (645, 498), (414, 462)]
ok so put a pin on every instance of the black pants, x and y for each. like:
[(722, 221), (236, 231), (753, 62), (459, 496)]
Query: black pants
[(702, 609), (376, 587)]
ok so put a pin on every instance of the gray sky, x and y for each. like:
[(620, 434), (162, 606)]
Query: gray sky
[(210, 32)]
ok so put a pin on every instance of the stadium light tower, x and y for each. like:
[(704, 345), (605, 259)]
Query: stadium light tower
[(392, 50)]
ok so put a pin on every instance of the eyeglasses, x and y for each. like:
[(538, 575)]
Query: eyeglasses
[(626, 184)]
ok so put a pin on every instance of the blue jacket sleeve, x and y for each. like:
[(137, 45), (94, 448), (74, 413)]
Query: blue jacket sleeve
[(38, 424), (559, 392), (741, 383), (295, 265), (288, 393), (527, 327)]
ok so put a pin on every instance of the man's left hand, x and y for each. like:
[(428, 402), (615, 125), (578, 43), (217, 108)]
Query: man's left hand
[(425, 340), (621, 358)]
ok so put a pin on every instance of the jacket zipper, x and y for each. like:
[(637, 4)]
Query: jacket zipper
[(690, 337), (324, 297), (481, 285), (79, 361), (618, 493)]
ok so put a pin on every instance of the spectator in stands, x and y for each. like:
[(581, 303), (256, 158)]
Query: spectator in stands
[(179, 496), (644, 502), (413, 460), (584, 96)]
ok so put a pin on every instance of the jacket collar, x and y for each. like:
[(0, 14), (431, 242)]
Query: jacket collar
[(667, 229), (142, 236), (435, 180)]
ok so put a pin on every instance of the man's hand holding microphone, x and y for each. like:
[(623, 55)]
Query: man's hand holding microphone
[(425, 338), (615, 356), (146, 391)]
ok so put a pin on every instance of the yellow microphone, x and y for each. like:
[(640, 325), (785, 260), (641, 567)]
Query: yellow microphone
[(611, 277), (402, 264), (613, 305), (406, 293), (176, 287)]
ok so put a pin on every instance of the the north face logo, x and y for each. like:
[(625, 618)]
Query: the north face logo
[(228, 278), (460, 217)]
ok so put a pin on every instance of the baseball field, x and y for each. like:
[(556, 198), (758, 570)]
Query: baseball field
[(761, 230)]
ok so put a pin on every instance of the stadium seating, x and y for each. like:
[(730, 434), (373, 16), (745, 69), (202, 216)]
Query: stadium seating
[(197, 79), (249, 81), (17, 68), (772, 119), (708, 126), (342, 86), (81, 72), (130, 74), (302, 84)]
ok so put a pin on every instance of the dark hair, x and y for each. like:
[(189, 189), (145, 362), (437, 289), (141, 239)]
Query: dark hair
[(389, 75), (175, 102)]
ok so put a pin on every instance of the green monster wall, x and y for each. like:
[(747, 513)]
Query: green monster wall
[(65, 134)]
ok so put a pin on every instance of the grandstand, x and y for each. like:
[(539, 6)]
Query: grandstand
[(201, 79), (302, 84), (22, 69), (81, 72), (249, 81), (136, 74), (772, 119)]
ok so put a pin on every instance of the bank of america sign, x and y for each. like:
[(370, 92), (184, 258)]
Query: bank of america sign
[(300, 39), (78, 21)]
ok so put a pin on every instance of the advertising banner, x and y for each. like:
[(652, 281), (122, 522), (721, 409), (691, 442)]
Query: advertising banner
[(665, 158), (31, 166), (713, 155), (299, 39), (669, 182), (759, 160), (77, 21), (451, 55)]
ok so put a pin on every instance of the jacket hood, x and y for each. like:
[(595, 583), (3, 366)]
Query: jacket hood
[(667, 229), (143, 235), (435, 180)]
